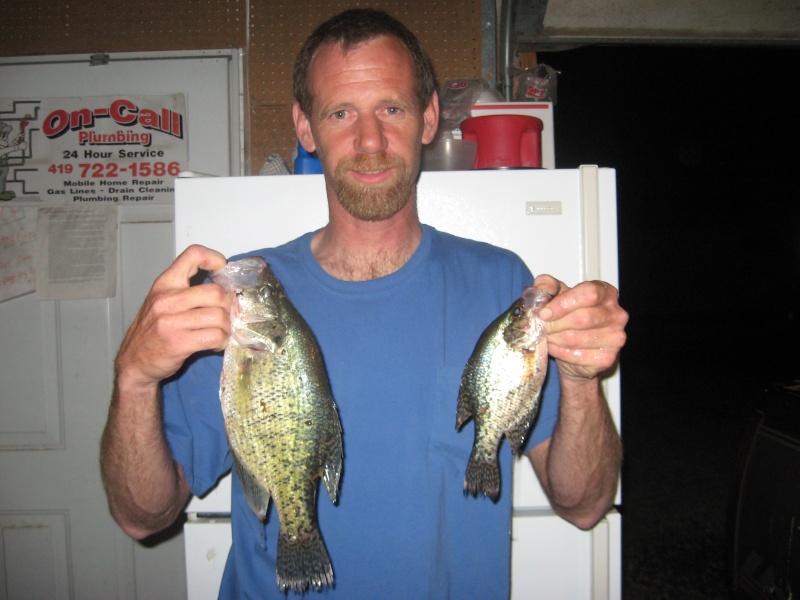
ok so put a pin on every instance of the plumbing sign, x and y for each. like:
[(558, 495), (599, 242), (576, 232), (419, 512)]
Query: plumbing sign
[(103, 149)]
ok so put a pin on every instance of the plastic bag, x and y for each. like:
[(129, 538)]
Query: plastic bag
[(536, 84), (456, 99)]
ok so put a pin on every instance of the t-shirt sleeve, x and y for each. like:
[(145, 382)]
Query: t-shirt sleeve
[(194, 425)]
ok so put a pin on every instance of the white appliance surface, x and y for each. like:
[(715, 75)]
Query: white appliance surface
[(561, 222)]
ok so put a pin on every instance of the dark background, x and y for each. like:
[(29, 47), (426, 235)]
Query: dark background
[(704, 141)]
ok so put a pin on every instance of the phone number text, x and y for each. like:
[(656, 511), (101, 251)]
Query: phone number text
[(110, 170)]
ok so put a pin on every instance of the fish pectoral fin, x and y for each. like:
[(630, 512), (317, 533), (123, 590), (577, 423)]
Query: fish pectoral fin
[(256, 494)]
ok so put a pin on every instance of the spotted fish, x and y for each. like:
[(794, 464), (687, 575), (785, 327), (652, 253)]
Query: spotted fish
[(500, 388), (280, 418)]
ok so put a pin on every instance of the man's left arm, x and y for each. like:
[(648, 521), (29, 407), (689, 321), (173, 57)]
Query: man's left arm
[(579, 465)]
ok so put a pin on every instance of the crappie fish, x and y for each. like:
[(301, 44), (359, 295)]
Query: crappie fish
[(280, 418), (500, 388)]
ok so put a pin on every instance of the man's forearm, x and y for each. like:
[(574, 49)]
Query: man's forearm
[(146, 489), (585, 454)]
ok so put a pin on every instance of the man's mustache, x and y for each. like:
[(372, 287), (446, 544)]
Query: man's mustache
[(371, 162)]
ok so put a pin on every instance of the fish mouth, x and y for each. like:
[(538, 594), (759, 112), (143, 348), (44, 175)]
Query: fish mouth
[(526, 330), (239, 274), (534, 299), (524, 337)]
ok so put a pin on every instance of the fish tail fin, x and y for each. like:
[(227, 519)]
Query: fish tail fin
[(303, 562), (482, 476)]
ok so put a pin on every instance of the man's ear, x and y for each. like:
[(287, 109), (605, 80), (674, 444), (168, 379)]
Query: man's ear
[(302, 128), (430, 119)]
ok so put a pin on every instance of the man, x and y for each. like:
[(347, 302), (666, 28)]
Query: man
[(397, 308)]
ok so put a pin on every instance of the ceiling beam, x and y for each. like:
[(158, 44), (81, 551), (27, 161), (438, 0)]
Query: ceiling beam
[(546, 24)]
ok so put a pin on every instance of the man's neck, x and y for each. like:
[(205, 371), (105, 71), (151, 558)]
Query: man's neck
[(355, 250)]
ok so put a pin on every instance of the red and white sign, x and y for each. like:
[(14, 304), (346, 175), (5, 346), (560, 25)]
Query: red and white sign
[(104, 149)]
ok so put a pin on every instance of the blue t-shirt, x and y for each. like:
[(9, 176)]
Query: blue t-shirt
[(394, 348)]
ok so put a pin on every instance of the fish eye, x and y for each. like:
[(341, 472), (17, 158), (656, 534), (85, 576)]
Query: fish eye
[(516, 312), (264, 291)]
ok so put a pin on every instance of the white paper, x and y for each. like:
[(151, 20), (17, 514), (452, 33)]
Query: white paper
[(76, 252), (17, 245)]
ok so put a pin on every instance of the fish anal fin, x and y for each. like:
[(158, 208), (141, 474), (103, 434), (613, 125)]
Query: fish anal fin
[(516, 436), (332, 472)]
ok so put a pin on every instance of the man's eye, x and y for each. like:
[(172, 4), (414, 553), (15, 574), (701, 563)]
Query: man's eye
[(393, 110), (339, 114)]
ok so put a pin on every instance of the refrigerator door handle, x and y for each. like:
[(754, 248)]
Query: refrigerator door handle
[(590, 215)]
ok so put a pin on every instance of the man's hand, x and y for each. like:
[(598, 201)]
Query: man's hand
[(585, 326), (175, 321)]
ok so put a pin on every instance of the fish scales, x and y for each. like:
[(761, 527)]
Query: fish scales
[(280, 418), (500, 388)]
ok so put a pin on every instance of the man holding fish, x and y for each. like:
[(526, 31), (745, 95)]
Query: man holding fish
[(397, 309)]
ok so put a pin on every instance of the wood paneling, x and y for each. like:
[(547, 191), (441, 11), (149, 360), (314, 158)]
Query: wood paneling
[(449, 29), (37, 27)]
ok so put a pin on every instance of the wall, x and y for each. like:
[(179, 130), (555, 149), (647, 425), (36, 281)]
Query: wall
[(270, 31)]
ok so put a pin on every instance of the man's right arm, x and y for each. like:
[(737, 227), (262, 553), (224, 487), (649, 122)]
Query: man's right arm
[(146, 488)]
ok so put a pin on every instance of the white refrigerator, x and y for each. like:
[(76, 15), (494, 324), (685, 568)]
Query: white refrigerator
[(561, 221)]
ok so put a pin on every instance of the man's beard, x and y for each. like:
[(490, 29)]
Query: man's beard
[(374, 202)]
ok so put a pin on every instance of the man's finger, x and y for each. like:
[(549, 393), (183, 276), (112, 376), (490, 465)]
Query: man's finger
[(188, 264)]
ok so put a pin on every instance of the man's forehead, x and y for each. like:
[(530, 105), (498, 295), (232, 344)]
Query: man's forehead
[(344, 49)]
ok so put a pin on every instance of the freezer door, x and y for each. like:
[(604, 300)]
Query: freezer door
[(207, 542)]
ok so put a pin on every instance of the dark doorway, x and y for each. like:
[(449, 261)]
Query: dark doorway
[(704, 140)]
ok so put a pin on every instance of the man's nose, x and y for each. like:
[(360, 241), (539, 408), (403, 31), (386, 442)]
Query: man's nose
[(370, 137)]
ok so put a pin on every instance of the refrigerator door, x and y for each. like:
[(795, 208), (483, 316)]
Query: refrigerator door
[(207, 541), (561, 222)]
